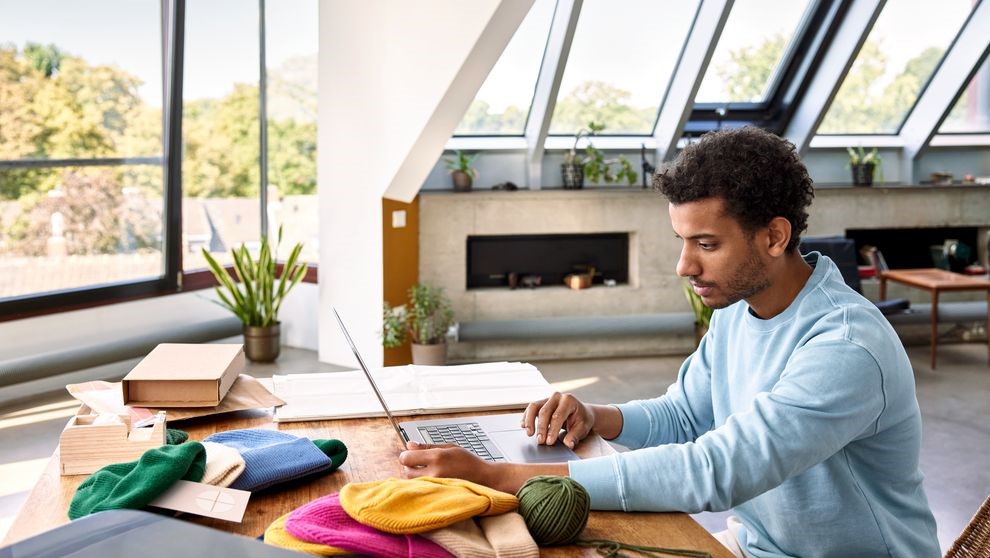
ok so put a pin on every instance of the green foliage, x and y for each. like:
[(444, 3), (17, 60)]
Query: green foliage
[(861, 107), (702, 313), (596, 167), (44, 58), (598, 101), (860, 156), (259, 292), (425, 320), (749, 69), (463, 162)]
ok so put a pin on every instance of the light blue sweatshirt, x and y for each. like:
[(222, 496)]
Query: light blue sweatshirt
[(806, 424)]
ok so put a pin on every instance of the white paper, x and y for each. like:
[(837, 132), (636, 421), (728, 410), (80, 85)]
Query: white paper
[(409, 390), (204, 499)]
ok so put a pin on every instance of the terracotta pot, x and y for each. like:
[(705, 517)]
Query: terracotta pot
[(462, 181), (262, 344), (429, 355)]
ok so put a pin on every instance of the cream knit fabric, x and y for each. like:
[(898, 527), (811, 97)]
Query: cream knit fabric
[(223, 464), (497, 536)]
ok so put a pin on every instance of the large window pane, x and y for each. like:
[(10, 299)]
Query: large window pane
[(83, 227), (79, 81), (502, 105), (902, 51), (221, 136), (750, 51), (291, 45), (971, 113), (623, 55)]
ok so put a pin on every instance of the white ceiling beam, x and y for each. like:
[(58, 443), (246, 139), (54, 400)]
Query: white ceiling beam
[(558, 47), (812, 106), (675, 110), (960, 64)]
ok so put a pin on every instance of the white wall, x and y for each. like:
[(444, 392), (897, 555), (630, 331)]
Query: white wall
[(394, 79)]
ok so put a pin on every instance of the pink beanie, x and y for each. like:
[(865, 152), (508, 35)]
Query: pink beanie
[(324, 521)]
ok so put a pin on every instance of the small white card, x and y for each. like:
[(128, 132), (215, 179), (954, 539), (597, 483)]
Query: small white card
[(207, 500)]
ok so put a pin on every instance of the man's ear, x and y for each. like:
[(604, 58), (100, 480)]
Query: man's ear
[(778, 236)]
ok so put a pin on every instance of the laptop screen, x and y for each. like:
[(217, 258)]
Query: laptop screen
[(367, 374)]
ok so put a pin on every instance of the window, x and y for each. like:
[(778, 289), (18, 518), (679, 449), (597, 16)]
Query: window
[(220, 131), (621, 61), (81, 168), (502, 105), (291, 37), (971, 113), (751, 50), (901, 53)]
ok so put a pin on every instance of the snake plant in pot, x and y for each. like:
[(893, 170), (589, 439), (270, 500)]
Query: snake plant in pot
[(257, 295)]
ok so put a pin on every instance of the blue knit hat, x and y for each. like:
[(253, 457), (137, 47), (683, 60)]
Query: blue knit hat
[(272, 457)]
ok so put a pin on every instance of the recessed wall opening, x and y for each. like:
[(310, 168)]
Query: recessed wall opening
[(913, 247), (533, 260)]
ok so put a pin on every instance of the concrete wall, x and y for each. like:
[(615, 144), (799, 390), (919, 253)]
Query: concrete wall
[(447, 219)]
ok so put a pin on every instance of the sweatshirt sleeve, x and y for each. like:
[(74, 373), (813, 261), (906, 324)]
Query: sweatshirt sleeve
[(828, 395)]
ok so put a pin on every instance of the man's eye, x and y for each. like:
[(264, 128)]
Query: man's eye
[(706, 246)]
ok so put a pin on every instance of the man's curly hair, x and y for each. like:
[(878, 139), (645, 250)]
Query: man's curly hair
[(758, 175)]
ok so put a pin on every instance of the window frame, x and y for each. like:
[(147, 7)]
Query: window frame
[(173, 279), (788, 84)]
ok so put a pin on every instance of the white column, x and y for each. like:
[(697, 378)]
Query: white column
[(395, 78)]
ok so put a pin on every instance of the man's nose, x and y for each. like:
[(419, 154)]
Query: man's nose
[(687, 266)]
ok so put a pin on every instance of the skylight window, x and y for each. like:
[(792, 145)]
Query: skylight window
[(900, 55), (751, 51), (502, 105), (621, 61)]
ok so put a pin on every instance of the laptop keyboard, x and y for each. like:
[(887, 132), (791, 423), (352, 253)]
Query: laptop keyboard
[(468, 435)]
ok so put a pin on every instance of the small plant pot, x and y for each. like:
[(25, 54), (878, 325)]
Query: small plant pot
[(429, 355), (462, 181), (262, 344), (862, 175), (573, 176)]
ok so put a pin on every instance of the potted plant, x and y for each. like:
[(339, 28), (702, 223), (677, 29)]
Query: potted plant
[(864, 164), (461, 170), (592, 164), (702, 313), (258, 294), (424, 322)]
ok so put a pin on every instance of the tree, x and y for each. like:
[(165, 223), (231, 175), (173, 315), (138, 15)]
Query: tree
[(600, 102), (97, 217), (861, 106), (749, 69)]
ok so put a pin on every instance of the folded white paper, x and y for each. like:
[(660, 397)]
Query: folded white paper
[(409, 390)]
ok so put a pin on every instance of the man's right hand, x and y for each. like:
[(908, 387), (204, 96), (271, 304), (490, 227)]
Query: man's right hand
[(546, 418)]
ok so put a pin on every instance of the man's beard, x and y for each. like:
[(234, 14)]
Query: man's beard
[(749, 279)]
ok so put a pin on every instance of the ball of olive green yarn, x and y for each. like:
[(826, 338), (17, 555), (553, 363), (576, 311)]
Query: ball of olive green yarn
[(555, 509)]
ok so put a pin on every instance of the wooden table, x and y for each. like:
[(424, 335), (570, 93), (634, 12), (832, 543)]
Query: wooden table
[(937, 281), (372, 451)]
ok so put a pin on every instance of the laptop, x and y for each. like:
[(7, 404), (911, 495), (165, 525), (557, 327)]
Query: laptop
[(491, 437)]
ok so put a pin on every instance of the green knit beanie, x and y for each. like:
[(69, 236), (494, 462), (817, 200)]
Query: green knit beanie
[(134, 484)]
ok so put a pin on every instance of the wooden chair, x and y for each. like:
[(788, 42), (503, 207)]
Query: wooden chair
[(974, 542)]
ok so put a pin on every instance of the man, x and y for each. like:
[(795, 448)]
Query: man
[(798, 408)]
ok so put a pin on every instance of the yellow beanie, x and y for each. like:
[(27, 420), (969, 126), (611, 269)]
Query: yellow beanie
[(276, 535), (409, 506)]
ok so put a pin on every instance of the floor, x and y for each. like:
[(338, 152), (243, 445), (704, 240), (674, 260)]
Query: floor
[(954, 399)]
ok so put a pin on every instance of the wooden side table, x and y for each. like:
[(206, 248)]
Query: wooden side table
[(936, 281)]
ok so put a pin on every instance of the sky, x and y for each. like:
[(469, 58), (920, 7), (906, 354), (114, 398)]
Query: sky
[(644, 38), (221, 37)]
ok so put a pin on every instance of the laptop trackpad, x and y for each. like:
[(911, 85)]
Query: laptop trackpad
[(517, 447)]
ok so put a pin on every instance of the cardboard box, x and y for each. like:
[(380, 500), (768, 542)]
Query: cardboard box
[(183, 375)]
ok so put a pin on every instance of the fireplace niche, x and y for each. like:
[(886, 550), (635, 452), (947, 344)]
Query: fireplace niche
[(545, 259)]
